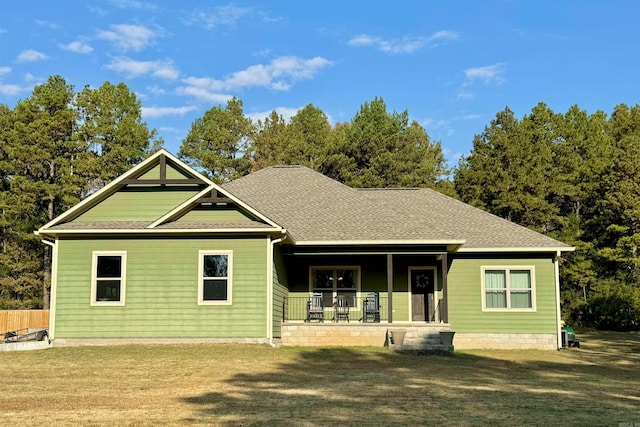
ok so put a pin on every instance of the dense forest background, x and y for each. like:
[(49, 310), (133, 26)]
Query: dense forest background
[(573, 176)]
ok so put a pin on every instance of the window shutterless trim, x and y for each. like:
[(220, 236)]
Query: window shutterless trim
[(335, 289), (507, 269), (122, 278), (228, 278)]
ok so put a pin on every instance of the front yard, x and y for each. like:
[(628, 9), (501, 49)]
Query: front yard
[(598, 384)]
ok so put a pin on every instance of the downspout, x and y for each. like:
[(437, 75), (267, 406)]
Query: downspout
[(270, 246), (558, 321), (54, 285)]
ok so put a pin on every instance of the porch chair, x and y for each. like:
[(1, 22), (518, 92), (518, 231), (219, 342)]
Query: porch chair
[(371, 308), (341, 309), (315, 307)]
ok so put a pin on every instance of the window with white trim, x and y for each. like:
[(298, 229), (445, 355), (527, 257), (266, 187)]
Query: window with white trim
[(335, 281), (508, 288), (215, 277), (108, 273)]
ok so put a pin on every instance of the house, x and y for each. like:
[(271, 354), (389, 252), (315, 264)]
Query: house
[(162, 254)]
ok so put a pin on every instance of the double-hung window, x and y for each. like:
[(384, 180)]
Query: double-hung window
[(214, 277), (508, 288), (108, 273), (335, 281)]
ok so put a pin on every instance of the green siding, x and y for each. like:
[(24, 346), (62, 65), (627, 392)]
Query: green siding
[(465, 297), (280, 284), (137, 204), (172, 173), (214, 214), (162, 290)]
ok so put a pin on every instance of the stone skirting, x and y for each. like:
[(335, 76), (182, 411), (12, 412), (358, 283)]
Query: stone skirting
[(418, 337), (506, 341)]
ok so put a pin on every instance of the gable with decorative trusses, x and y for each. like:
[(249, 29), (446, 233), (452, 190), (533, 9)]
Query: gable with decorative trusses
[(161, 194)]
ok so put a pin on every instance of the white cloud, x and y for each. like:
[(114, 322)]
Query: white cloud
[(434, 123), (31, 55), (153, 112), (162, 69), (285, 112), (129, 37), (132, 4), (487, 74), (156, 90), (404, 45), (48, 24), (10, 90), (28, 78), (279, 74), (228, 15), (471, 117), (199, 90), (77, 47), (5, 70)]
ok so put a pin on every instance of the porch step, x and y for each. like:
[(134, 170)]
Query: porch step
[(436, 348)]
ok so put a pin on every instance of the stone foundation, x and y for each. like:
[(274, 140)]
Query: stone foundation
[(418, 337), (467, 341)]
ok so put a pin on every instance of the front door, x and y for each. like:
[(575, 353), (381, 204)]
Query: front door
[(422, 295)]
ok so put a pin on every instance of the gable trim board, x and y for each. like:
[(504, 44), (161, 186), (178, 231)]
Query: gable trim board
[(309, 214)]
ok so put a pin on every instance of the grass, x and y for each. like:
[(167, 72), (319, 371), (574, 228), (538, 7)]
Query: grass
[(598, 384)]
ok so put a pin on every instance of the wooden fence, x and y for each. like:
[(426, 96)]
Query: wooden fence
[(11, 320)]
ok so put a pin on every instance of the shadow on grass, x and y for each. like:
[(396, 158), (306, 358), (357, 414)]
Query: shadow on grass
[(596, 385)]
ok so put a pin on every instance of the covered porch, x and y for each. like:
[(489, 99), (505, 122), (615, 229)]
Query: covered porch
[(359, 296)]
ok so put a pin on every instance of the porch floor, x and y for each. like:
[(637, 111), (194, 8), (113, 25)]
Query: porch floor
[(419, 336)]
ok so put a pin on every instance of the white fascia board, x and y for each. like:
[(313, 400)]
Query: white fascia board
[(171, 214), (519, 249), (175, 211), (377, 242)]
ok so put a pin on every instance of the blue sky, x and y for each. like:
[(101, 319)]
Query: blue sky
[(452, 64)]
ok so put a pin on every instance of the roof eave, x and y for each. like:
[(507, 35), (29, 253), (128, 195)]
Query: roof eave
[(265, 230), (377, 242), (519, 249)]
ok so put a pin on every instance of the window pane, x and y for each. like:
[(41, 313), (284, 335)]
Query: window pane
[(215, 290), (108, 290), (323, 279), (495, 279), (496, 299), (346, 279), (521, 299), (520, 279), (215, 266), (109, 266)]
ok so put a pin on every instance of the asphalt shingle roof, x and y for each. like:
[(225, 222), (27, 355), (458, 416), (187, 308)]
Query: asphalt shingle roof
[(313, 207)]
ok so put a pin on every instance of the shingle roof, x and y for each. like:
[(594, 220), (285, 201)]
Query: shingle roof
[(315, 208)]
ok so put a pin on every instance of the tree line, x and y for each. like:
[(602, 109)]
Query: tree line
[(573, 176)]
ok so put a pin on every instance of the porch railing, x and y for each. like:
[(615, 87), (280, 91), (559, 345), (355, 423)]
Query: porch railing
[(295, 309)]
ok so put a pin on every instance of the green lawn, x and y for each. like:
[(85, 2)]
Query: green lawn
[(598, 384)]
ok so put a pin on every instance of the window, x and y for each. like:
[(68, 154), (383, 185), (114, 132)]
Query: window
[(334, 281), (508, 288), (215, 268), (108, 278)]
